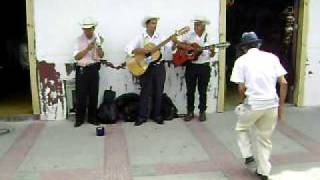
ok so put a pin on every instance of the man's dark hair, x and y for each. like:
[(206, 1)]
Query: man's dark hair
[(252, 45), (147, 22), (244, 48)]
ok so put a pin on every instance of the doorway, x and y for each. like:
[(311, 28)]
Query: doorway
[(15, 91), (274, 21)]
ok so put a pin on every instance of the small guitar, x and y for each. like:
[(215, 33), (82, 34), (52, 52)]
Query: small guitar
[(191, 52), (139, 63)]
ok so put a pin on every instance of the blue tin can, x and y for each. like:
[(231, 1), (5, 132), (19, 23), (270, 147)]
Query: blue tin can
[(100, 131)]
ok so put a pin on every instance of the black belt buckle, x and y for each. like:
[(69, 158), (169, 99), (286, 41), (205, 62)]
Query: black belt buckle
[(89, 65), (81, 69), (157, 63), (206, 64), (96, 64)]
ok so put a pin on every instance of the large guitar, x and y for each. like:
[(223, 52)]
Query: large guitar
[(191, 52), (139, 63)]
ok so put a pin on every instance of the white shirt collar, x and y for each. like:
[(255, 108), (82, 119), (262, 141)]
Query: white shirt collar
[(253, 50), (146, 35), (196, 35)]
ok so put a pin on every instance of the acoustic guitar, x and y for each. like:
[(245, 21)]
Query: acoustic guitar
[(138, 64), (191, 52)]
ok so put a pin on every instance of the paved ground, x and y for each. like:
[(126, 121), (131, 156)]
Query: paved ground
[(43, 150)]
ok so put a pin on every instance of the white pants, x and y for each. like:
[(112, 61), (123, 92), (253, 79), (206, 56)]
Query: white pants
[(265, 122)]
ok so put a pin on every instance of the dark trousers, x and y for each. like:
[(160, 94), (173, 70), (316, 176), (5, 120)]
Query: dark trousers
[(152, 85), (197, 74), (87, 84)]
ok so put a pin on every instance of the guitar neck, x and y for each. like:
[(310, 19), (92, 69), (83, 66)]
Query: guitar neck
[(218, 45), (177, 33), (161, 44), (207, 47)]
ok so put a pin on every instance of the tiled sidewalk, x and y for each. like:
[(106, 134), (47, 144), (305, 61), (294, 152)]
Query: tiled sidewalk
[(54, 150)]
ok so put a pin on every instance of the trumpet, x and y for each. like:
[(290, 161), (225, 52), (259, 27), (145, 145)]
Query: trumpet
[(98, 40)]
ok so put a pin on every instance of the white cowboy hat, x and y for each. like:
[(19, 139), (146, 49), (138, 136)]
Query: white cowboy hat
[(147, 18), (201, 19), (88, 22)]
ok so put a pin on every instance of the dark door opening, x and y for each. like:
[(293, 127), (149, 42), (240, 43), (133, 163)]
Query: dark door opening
[(15, 93), (274, 22)]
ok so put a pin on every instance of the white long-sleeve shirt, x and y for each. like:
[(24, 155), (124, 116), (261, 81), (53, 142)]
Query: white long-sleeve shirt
[(204, 40), (92, 56)]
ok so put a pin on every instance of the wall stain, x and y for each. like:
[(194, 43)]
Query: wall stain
[(51, 88)]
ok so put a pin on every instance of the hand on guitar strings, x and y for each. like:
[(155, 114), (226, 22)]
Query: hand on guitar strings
[(213, 52)]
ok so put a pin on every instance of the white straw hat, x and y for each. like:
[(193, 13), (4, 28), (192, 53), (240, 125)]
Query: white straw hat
[(201, 19), (88, 22), (147, 18)]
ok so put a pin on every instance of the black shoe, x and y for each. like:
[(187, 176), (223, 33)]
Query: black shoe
[(139, 121), (250, 163), (203, 116), (189, 116), (78, 123), (158, 120), (93, 120), (96, 123), (249, 160), (262, 177)]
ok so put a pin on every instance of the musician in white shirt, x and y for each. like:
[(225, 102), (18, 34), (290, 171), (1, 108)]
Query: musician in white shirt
[(197, 72), (152, 81), (87, 53)]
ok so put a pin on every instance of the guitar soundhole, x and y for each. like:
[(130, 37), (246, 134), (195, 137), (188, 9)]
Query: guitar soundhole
[(190, 52), (147, 54)]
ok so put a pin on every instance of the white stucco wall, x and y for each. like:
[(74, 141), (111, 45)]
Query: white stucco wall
[(56, 27), (312, 76)]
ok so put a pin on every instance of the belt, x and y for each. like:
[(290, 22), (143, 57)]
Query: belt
[(88, 65), (202, 64), (91, 64), (157, 63)]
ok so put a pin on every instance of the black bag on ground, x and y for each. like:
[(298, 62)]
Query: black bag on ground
[(108, 96), (107, 112), (168, 109), (128, 106)]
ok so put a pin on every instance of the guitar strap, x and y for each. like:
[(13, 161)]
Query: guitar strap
[(144, 40), (205, 38)]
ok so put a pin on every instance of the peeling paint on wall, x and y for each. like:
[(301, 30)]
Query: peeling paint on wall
[(59, 49), (51, 92), (53, 106)]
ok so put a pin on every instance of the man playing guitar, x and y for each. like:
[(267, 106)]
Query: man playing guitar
[(152, 80), (197, 71)]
